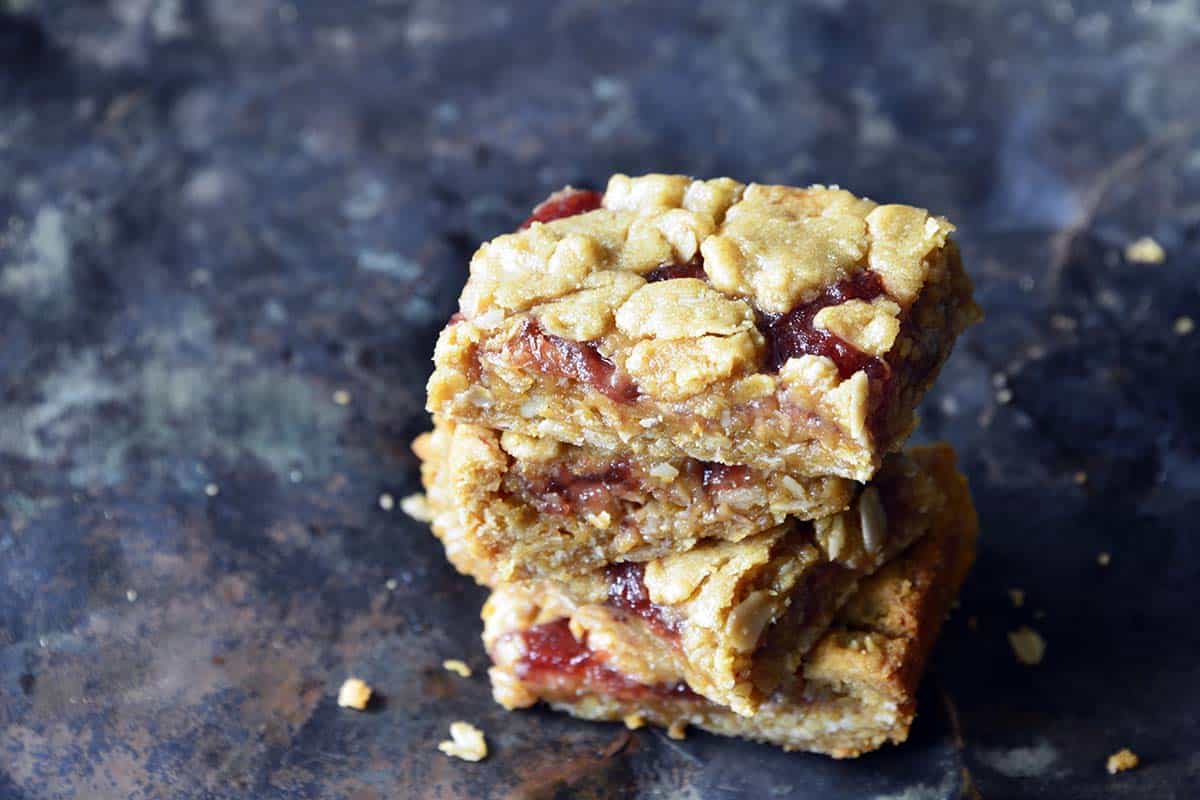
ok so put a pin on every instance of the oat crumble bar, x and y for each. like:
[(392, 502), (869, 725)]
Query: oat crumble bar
[(853, 692), (790, 329), (728, 621), (527, 508)]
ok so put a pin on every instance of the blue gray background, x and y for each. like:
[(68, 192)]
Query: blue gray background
[(216, 213)]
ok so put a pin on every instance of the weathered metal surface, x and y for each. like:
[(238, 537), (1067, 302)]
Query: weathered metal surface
[(216, 214)]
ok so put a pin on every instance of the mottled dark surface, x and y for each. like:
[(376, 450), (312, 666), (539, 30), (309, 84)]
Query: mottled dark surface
[(215, 214)]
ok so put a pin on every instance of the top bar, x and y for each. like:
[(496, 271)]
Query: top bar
[(790, 329)]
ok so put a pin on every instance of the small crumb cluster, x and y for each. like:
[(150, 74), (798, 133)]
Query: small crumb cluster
[(1122, 760), (459, 668), (1028, 645), (465, 742), (1145, 251), (355, 693)]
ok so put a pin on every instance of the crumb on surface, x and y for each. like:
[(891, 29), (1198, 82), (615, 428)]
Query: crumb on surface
[(678, 730), (1028, 645), (387, 502), (1061, 322), (341, 397), (390, 584), (355, 693), (417, 507), (465, 742), (1184, 325), (131, 595), (212, 490), (456, 666), (1103, 559), (1004, 396), (1145, 251), (1017, 596), (634, 721), (1121, 760), (1080, 477)]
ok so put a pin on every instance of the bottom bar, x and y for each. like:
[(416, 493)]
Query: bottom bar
[(855, 690)]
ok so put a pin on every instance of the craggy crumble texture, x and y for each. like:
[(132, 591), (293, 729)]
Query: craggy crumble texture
[(579, 329)]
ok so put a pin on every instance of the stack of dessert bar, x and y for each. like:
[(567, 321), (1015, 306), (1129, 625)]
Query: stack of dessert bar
[(668, 422)]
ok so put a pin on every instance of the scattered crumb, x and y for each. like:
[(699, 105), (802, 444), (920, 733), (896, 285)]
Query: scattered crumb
[(417, 507), (634, 721), (1028, 645), (212, 490), (1145, 251), (390, 584), (999, 380), (457, 667), (1103, 559), (1017, 596), (972, 623), (355, 693), (341, 397), (387, 502), (131, 595), (1080, 477), (1004, 396), (295, 476), (466, 742), (678, 730), (1061, 322), (1184, 326), (1122, 760)]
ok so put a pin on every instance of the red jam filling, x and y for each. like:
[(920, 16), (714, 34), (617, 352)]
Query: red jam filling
[(562, 492), (552, 653), (580, 361), (793, 334), (627, 592), (669, 272), (564, 203)]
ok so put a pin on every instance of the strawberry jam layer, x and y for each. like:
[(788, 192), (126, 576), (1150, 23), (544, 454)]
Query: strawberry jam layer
[(793, 334), (590, 488), (553, 657), (627, 592), (564, 203), (559, 491), (669, 272), (580, 361)]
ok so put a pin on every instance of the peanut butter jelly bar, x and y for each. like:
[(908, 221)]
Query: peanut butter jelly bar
[(775, 327), (728, 621), (855, 689), (514, 508)]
